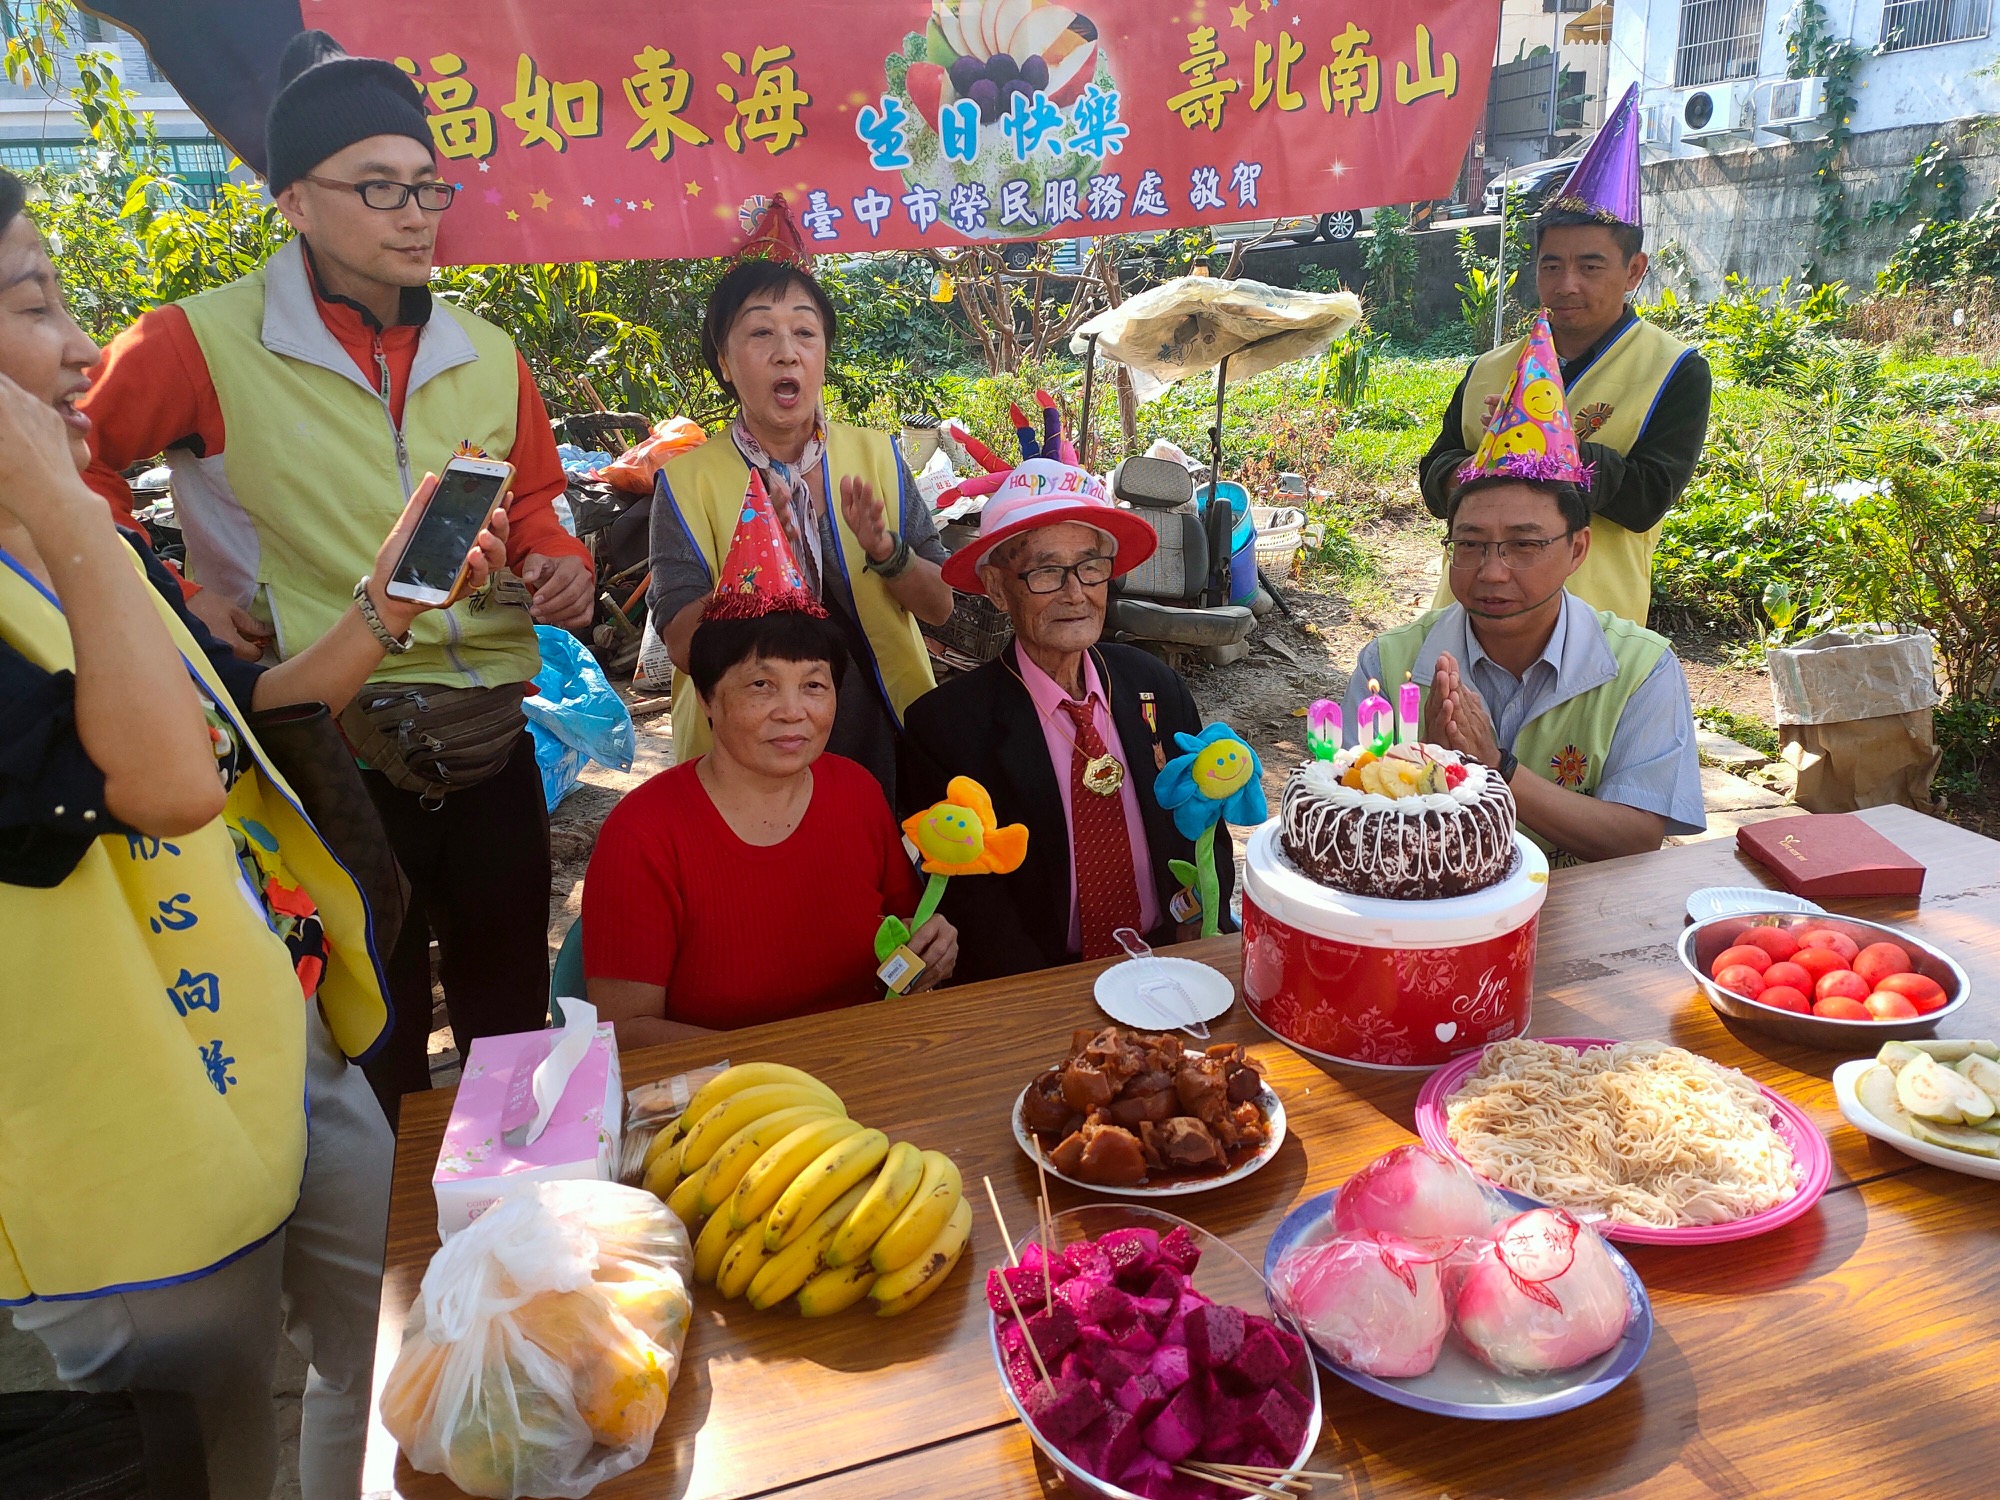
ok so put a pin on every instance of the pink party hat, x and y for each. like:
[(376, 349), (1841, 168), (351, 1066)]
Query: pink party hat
[(1531, 437), (1605, 184), (759, 576)]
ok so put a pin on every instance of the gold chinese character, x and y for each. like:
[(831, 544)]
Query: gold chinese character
[(771, 113), (657, 93), (1201, 103), (1353, 80), (546, 112), (460, 128), (1265, 81), (1428, 80)]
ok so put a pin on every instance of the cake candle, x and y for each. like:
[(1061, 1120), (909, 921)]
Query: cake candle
[(1323, 729), (1409, 711), (1374, 721)]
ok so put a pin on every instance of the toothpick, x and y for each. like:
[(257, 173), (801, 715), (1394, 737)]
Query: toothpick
[(1048, 1227), (1232, 1482), (1264, 1473), (1028, 1337), (999, 1218)]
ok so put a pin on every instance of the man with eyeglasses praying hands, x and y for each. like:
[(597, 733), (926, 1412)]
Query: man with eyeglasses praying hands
[(299, 408), (1067, 733), (1584, 714)]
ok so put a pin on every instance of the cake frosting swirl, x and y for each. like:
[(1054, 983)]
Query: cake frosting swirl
[(1416, 824)]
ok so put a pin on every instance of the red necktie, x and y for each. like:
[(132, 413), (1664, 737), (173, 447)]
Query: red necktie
[(1107, 893)]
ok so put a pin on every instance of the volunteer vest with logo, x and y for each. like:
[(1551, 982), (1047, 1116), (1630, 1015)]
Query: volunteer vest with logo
[(1609, 403), (314, 471), (152, 1050), (706, 487), (1567, 742)]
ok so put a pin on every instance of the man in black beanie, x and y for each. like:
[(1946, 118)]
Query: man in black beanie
[(299, 407)]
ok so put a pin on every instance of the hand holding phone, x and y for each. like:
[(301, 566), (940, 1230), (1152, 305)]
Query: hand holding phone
[(433, 566), (486, 555)]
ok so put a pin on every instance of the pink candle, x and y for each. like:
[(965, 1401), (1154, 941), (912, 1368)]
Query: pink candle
[(1374, 721), (1409, 711)]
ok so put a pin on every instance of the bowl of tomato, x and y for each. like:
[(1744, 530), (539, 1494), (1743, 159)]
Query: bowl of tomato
[(1822, 980)]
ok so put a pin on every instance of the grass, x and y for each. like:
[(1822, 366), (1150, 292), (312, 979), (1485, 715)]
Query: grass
[(1754, 734)]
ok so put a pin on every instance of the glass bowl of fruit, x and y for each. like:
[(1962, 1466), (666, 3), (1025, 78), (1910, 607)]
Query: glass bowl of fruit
[(1822, 980), (1156, 1380)]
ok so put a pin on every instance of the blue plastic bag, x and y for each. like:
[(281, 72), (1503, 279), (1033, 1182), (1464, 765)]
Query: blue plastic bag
[(574, 715)]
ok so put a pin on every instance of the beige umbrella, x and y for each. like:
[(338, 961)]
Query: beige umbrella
[(1594, 25)]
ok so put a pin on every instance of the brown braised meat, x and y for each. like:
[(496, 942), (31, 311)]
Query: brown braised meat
[(1087, 1087), (1150, 1096), (1111, 1155), (1185, 1144), (1044, 1109), (1242, 1125)]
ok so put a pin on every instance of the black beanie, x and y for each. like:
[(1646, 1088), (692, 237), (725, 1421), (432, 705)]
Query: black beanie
[(327, 101)]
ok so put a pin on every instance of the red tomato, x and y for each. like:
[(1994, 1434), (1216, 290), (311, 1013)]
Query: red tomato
[(1776, 941), (1748, 954), (1887, 1005), (1841, 982), (1787, 974), (1743, 979), (1819, 962), (1840, 1008), (1785, 997), (1826, 937), (1880, 960), (1923, 992)]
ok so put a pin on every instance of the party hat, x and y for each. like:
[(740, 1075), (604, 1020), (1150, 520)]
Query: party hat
[(759, 576), (1605, 184), (1531, 437)]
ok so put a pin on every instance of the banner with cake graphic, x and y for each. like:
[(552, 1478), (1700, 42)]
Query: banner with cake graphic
[(615, 129)]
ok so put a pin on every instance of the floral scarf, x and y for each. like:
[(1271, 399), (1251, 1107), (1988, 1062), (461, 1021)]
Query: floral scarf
[(789, 480)]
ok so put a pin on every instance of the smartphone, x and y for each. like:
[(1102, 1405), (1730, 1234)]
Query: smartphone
[(434, 562)]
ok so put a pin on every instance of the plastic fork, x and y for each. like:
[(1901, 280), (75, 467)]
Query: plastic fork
[(1160, 989)]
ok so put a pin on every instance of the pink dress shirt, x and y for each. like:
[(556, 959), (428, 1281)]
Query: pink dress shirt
[(1048, 696)]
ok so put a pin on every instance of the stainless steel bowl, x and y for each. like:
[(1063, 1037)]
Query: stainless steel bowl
[(1702, 943)]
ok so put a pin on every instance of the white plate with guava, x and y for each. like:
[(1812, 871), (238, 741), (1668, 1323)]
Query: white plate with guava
[(1936, 1100)]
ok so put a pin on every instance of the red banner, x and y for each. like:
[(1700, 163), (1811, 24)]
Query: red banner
[(613, 129)]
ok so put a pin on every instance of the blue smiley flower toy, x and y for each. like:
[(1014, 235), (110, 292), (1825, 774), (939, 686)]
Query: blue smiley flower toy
[(1217, 778)]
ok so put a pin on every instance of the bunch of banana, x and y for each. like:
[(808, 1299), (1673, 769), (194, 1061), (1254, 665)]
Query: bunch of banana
[(794, 1200)]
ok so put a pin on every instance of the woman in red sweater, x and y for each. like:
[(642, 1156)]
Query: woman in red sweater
[(747, 886)]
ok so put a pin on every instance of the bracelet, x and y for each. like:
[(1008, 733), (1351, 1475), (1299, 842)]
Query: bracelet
[(896, 564), (376, 628), (1508, 764)]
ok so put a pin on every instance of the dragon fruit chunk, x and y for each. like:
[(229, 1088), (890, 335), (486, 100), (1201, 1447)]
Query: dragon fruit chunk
[(1177, 1430), (1277, 1423), (1262, 1361), (1169, 1365), (1064, 1411), (1053, 1331), (1027, 1287), (1214, 1335), (1179, 1250)]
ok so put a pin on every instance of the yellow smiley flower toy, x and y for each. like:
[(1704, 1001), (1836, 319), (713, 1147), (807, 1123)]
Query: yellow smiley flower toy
[(958, 836), (1217, 779)]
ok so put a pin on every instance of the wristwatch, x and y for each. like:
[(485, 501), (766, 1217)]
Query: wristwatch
[(390, 643), (1507, 765), (896, 564)]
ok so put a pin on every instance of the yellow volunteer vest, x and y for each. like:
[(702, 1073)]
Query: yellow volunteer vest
[(312, 459), (705, 488), (1567, 743), (152, 1047), (1609, 404)]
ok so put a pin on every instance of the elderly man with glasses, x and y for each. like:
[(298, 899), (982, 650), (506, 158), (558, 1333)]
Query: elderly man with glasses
[(1066, 732), (1584, 714)]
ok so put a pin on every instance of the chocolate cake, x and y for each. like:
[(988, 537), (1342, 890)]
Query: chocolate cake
[(1418, 824)]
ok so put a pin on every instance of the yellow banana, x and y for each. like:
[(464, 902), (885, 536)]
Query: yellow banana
[(708, 1134), (896, 1184), (740, 1152), (682, 1201), (750, 1075), (773, 1172), (710, 1247), (792, 1267), (899, 1291), (813, 1191), (743, 1259), (922, 1217), (664, 1137), (663, 1171), (833, 1291)]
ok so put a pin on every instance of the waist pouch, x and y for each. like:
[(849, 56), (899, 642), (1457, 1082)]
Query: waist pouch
[(435, 740)]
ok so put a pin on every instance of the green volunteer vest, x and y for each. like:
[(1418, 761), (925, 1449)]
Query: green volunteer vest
[(706, 488), (1565, 744), (313, 459), (1608, 404)]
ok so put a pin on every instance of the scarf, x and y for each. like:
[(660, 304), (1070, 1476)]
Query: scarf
[(786, 484)]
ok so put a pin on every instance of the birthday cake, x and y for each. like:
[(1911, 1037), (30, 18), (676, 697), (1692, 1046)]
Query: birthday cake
[(1415, 823)]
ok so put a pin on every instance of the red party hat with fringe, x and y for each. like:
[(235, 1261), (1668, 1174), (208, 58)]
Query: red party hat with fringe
[(759, 576), (1531, 436)]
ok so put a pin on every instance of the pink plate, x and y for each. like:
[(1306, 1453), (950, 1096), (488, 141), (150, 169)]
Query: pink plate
[(1809, 1150)]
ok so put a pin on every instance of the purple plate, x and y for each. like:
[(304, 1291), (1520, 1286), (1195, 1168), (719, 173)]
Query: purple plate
[(1458, 1385)]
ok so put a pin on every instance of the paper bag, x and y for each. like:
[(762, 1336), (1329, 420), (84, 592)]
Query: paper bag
[(1854, 718)]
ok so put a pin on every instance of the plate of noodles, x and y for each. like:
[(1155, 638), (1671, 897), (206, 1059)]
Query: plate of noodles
[(1530, 1114)]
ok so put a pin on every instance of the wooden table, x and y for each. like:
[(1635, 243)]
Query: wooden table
[(1854, 1352)]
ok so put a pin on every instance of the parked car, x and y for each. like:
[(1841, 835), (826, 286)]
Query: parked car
[(1531, 185), (1342, 224)]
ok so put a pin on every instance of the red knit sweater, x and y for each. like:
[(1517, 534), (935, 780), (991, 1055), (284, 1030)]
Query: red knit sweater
[(740, 935)]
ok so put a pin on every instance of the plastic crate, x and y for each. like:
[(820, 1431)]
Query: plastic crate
[(977, 627)]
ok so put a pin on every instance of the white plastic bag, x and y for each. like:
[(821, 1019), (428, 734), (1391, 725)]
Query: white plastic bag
[(537, 1359)]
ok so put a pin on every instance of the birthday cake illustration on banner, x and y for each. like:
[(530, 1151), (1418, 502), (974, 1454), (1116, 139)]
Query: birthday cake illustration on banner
[(1010, 108)]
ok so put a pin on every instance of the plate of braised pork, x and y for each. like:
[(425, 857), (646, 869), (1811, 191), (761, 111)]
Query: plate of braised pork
[(1138, 1115)]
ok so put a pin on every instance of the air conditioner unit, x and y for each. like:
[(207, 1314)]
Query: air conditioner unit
[(1796, 107), (1709, 115), (1656, 127)]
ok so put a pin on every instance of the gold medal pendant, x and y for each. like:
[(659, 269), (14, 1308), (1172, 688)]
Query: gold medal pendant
[(1103, 775)]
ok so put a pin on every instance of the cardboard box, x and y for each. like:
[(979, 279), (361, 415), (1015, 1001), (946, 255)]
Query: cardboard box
[(1831, 854), (475, 1166)]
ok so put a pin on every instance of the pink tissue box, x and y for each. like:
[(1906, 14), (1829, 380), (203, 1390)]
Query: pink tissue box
[(475, 1167)]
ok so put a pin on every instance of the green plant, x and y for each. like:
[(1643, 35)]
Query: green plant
[(1768, 336), (1814, 49), (1346, 368), (1320, 279), (1946, 253), (1968, 737), (1935, 175), (1480, 293), (1392, 275), (1753, 733)]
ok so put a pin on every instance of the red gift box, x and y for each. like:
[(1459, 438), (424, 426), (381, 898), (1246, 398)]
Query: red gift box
[(1831, 854)]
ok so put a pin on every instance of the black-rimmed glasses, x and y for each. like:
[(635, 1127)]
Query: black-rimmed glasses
[(1091, 573), (380, 193)]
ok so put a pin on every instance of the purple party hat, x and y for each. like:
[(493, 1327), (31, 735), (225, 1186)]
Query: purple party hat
[(1531, 436), (1605, 184)]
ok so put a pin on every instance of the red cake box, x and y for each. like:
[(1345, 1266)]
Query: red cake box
[(1831, 854), (1403, 985)]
